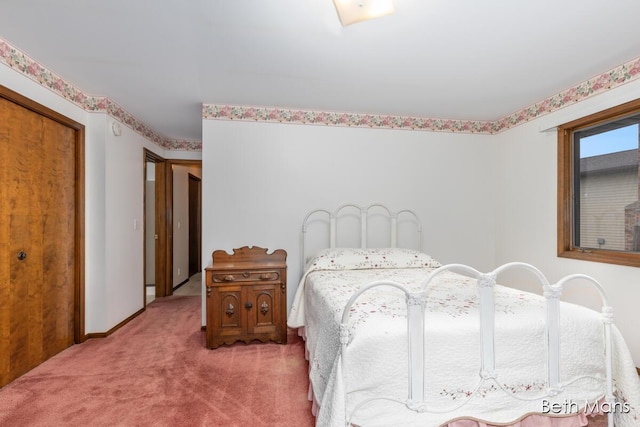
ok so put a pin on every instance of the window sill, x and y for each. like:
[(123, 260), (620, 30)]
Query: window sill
[(596, 255)]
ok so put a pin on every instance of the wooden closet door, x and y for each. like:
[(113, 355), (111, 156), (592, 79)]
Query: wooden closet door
[(37, 239)]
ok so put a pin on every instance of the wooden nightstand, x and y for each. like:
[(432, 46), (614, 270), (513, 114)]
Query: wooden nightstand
[(246, 296)]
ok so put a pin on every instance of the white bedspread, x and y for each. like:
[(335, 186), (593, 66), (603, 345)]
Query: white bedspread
[(378, 349)]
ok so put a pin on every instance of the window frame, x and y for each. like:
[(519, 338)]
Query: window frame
[(566, 171)]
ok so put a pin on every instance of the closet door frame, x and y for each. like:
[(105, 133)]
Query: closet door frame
[(79, 238)]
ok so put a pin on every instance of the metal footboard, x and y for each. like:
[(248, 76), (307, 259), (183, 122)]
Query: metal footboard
[(415, 400)]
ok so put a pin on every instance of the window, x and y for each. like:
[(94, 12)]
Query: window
[(598, 187)]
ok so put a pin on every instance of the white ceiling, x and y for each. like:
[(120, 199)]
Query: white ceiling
[(449, 59)]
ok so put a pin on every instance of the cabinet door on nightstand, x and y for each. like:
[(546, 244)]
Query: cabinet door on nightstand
[(265, 301), (228, 310)]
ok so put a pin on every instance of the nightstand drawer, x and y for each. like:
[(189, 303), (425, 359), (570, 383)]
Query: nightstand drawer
[(245, 276)]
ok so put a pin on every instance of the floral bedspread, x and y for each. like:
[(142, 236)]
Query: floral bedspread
[(377, 362)]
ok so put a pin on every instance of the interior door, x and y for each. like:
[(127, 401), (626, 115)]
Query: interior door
[(38, 269)]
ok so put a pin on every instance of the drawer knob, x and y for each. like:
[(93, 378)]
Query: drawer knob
[(230, 310), (265, 276), (248, 305), (229, 278), (264, 307)]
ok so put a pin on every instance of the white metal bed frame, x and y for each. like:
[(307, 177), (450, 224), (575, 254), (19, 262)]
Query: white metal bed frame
[(415, 400)]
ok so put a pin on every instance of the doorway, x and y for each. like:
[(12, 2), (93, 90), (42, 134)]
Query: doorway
[(151, 237), (194, 225), (155, 227), (186, 228), (163, 203), (41, 234)]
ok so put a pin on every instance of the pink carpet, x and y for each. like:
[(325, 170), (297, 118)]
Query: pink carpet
[(156, 371)]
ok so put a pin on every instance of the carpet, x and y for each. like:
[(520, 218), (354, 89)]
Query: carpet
[(156, 371)]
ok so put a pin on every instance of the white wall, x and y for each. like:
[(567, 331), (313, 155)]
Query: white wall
[(124, 239), (526, 226), (181, 220), (260, 179), (95, 267)]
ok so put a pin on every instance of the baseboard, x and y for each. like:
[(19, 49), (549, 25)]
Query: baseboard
[(115, 328), (181, 283)]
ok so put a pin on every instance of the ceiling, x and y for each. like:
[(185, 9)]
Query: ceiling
[(445, 59)]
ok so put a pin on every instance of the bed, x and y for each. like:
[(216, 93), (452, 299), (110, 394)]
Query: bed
[(395, 338)]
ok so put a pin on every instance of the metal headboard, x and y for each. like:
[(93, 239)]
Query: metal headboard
[(364, 216)]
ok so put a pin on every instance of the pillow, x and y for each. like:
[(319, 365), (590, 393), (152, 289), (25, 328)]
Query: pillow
[(368, 258)]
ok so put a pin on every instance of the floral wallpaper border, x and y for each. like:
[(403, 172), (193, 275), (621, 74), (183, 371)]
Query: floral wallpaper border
[(17, 60), (602, 83), (267, 114)]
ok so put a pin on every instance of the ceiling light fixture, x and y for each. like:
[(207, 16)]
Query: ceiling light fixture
[(352, 11)]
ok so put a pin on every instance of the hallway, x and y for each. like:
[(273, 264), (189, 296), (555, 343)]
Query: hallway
[(192, 287)]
